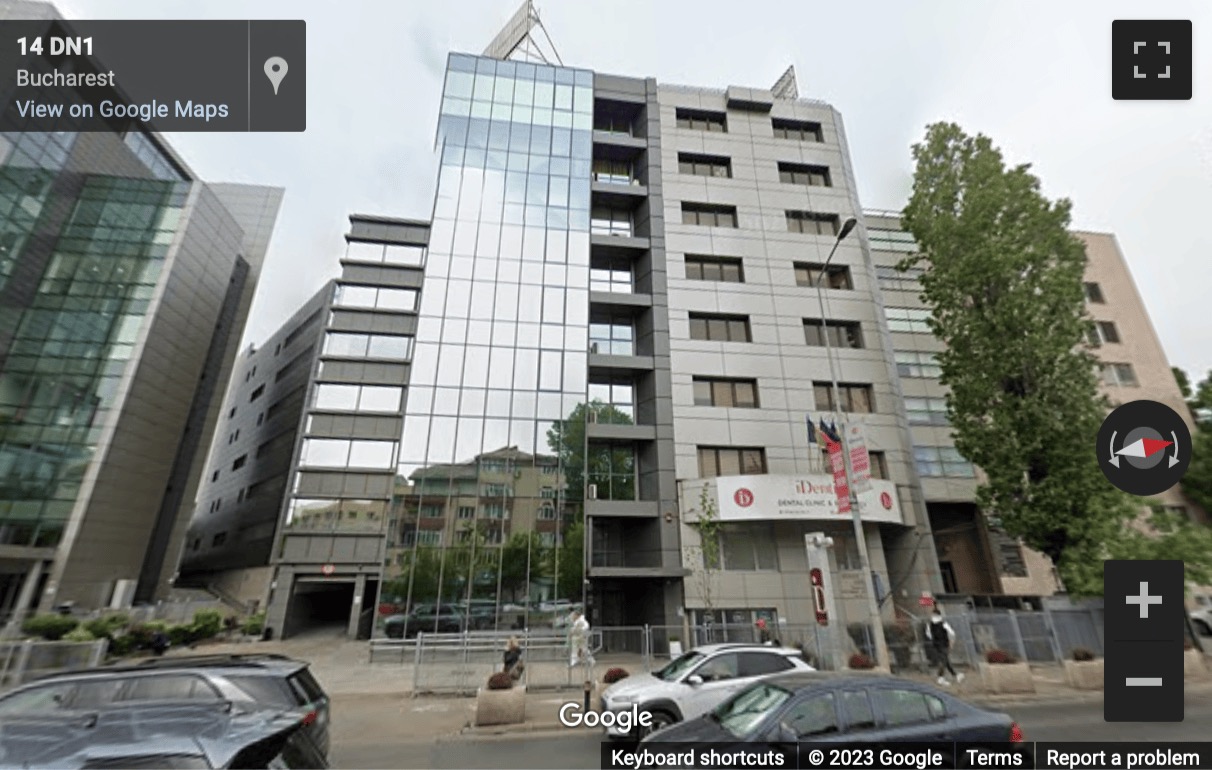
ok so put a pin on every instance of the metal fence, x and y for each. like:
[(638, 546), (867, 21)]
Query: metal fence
[(21, 661), (461, 663)]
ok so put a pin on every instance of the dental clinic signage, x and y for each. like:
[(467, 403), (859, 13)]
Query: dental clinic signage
[(808, 497)]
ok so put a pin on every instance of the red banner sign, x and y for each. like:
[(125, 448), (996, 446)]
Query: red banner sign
[(838, 465)]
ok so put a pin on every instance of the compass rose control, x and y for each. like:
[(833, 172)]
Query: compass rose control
[(1144, 447)]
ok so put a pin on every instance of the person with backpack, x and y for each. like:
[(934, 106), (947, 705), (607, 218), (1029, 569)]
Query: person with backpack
[(941, 636)]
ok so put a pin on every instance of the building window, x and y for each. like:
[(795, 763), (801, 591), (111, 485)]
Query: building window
[(707, 268), (611, 471), (708, 215), (926, 411), (1119, 375), (214, 476), (841, 334), (731, 461), (371, 298), (611, 275), (811, 273), (899, 280), (942, 461), (239, 462), (855, 398), (548, 493), (425, 537), (354, 398), (748, 547), (1094, 293), (700, 120), (341, 453), (547, 512), (466, 512), (704, 165), (294, 364), (607, 221), (879, 465), (714, 391), (912, 363), (385, 346), (612, 334), (612, 123), (912, 320), (1102, 332), (891, 240), (799, 130), (232, 413), (218, 540), (800, 173), (720, 328), (610, 171), (257, 393), (612, 399), (430, 511), (496, 490), (493, 511), (548, 470), (811, 223)]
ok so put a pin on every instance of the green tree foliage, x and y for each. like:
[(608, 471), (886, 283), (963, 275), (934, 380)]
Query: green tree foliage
[(50, 626), (566, 439), (1197, 483), (1004, 284), (568, 561), (1184, 382)]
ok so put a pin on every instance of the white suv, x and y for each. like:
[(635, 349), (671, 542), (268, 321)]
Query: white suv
[(696, 682)]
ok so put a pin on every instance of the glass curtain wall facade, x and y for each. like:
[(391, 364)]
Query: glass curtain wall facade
[(487, 519), (72, 310)]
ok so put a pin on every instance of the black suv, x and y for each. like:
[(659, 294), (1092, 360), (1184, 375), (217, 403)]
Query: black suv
[(260, 680), (179, 735)]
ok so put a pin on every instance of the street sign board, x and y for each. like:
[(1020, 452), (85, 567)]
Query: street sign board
[(860, 458)]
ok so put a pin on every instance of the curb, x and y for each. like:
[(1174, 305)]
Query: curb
[(517, 732)]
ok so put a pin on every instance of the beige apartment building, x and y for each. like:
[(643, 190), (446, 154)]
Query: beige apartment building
[(975, 557)]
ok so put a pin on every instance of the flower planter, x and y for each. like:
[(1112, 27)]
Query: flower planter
[(1194, 665), (500, 707), (1084, 674), (1001, 678)]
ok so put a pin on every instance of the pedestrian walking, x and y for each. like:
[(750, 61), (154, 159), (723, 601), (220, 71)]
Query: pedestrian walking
[(160, 643), (513, 659), (578, 640), (941, 636), (763, 632)]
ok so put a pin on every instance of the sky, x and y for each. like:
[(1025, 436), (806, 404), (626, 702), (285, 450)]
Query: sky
[(1034, 76)]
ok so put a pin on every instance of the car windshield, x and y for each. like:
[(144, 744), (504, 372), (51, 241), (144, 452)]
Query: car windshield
[(742, 715), (680, 666)]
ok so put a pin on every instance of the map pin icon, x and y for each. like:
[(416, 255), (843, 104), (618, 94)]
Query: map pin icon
[(275, 70)]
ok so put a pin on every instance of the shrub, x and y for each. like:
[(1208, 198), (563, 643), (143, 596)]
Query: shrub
[(999, 656), (50, 627), (254, 625), (613, 675), (122, 645), (207, 623), (183, 634), (500, 681), (79, 634), (1083, 654), (107, 626), (861, 661)]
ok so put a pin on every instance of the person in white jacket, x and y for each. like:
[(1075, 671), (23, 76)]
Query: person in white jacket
[(941, 636), (578, 640)]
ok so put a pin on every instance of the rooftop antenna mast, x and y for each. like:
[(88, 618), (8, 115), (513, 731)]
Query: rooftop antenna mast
[(517, 40)]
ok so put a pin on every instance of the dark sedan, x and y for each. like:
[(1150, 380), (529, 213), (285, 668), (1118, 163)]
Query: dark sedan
[(780, 711)]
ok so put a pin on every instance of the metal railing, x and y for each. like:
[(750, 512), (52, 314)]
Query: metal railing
[(21, 661)]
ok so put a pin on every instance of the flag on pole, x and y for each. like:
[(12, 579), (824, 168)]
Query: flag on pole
[(811, 431), (828, 437)]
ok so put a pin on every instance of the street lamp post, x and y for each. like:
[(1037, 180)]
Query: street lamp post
[(860, 537)]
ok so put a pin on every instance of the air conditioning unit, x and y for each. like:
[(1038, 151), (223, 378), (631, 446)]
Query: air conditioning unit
[(593, 347), (591, 492)]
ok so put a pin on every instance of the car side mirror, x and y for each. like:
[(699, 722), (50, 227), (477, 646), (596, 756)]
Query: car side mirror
[(694, 680)]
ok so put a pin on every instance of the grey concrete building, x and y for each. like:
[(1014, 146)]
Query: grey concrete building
[(230, 540), (125, 282)]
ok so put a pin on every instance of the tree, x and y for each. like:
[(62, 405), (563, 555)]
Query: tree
[(567, 561), (523, 560), (1004, 286), (1197, 483), (566, 439), (1184, 382), (706, 556)]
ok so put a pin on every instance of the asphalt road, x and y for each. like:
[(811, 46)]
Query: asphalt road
[(1065, 722)]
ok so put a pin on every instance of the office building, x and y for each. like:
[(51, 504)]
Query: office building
[(125, 283), (977, 560)]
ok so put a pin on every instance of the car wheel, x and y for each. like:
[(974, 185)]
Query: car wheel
[(659, 719)]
